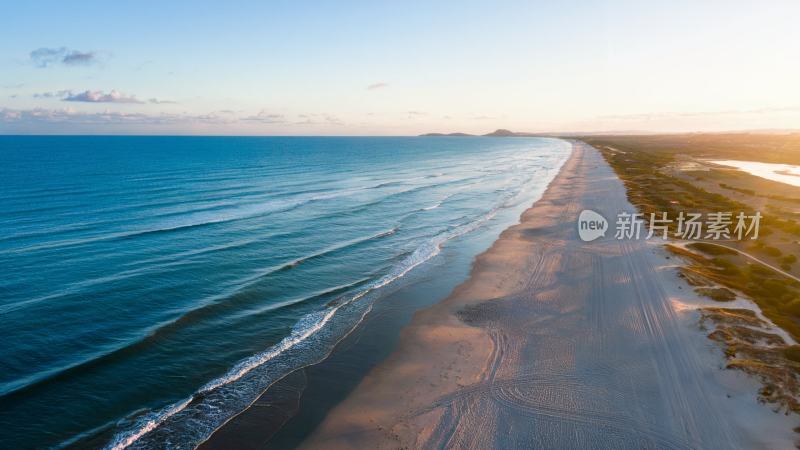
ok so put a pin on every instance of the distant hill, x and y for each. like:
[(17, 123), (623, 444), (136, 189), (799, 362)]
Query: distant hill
[(496, 133), (508, 133), (500, 133)]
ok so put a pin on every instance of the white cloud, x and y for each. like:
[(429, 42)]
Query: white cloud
[(46, 57), (99, 97), (71, 120)]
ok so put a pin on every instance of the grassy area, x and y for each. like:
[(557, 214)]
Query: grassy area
[(772, 148), (674, 174), (655, 191), (751, 347), (777, 296), (650, 168)]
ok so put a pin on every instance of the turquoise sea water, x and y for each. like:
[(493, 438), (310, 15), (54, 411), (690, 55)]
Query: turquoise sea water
[(154, 287)]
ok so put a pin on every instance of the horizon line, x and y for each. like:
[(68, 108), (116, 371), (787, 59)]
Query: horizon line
[(441, 134)]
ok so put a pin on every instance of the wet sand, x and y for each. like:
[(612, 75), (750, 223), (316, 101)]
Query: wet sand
[(557, 343)]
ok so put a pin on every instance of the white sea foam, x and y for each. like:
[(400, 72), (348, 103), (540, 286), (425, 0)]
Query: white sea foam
[(305, 328), (147, 424), (308, 326)]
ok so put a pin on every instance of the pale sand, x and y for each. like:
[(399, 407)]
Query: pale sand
[(556, 343)]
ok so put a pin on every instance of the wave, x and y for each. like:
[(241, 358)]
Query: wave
[(191, 420), (251, 210), (241, 295), (432, 207), (270, 208), (178, 259), (471, 181), (144, 267), (302, 332), (71, 228), (329, 292), (200, 196), (439, 203), (298, 334), (336, 247), (241, 211), (306, 328), (387, 184), (151, 424)]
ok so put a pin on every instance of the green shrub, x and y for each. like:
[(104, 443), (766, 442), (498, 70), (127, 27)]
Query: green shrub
[(792, 352), (773, 251)]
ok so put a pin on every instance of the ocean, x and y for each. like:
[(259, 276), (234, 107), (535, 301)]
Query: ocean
[(154, 287)]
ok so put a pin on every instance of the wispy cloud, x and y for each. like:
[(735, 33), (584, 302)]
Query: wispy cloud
[(71, 115), (71, 119), (54, 94), (46, 57), (90, 96), (318, 119), (156, 101), (99, 97), (375, 86), (43, 115), (76, 58), (264, 116)]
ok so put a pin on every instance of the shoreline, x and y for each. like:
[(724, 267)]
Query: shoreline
[(288, 411), (553, 342)]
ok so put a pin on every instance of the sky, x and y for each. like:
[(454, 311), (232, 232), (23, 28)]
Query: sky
[(397, 68)]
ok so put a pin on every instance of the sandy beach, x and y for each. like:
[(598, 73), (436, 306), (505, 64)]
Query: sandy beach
[(557, 343), (364, 225)]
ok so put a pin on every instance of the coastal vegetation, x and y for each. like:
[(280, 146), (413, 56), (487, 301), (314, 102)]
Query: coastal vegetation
[(673, 174)]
